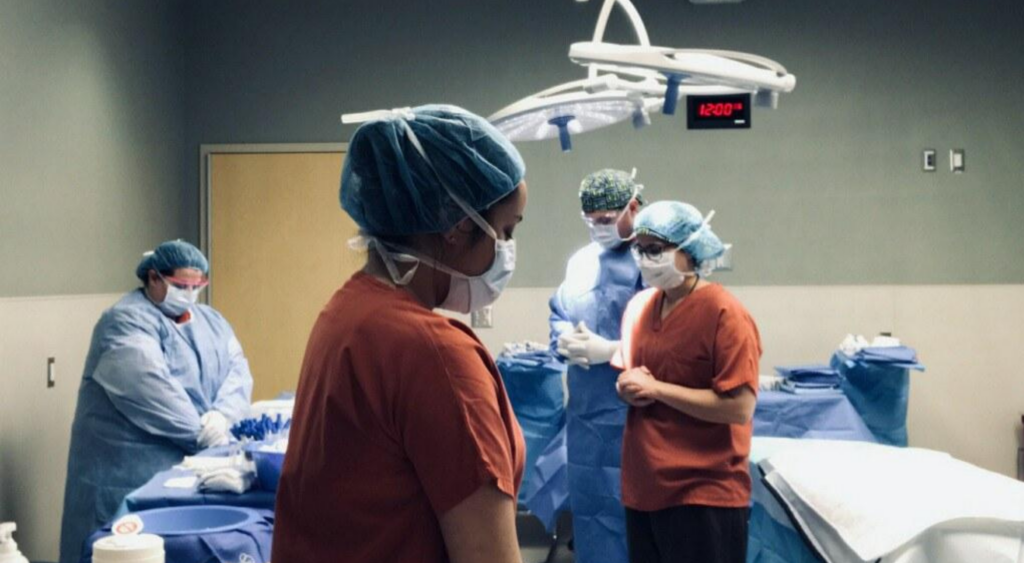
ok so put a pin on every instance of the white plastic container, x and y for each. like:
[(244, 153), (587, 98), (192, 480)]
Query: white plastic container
[(133, 548), (8, 547)]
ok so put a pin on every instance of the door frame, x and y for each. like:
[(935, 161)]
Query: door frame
[(206, 154)]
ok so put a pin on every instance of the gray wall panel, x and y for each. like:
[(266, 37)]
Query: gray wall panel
[(91, 141), (826, 190)]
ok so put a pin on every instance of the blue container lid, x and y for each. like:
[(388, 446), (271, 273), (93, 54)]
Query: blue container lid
[(194, 520)]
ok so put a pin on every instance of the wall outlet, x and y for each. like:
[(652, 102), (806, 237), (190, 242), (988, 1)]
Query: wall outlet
[(928, 160), (482, 318)]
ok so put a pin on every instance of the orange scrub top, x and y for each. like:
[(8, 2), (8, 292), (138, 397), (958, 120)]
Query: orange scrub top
[(709, 341), (400, 415)]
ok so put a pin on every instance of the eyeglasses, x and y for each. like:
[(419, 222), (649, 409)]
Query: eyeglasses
[(609, 218), (651, 251), (186, 284)]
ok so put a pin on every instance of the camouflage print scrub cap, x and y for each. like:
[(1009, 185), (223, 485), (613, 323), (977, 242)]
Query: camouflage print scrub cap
[(608, 190)]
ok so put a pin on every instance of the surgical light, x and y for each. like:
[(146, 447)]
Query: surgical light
[(634, 81)]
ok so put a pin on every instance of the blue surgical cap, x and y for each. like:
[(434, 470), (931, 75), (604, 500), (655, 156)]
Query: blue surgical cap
[(675, 222), (170, 256), (389, 189)]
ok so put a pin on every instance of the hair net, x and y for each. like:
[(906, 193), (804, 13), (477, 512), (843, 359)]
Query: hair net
[(608, 189), (170, 256), (677, 223), (390, 189)]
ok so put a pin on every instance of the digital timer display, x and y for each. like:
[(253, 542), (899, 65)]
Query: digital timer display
[(718, 112)]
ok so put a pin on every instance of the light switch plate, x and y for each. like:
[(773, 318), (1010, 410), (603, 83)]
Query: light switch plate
[(956, 160), (482, 318)]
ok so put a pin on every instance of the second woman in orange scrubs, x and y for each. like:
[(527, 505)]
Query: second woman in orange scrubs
[(690, 352)]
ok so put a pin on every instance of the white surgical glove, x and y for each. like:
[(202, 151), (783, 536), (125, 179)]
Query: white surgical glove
[(584, 348), (565, 340), (215, 431)]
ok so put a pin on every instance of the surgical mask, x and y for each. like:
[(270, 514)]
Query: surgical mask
[(465, 293), (606, 235), (178, 301), (471, 293), (661, 272)]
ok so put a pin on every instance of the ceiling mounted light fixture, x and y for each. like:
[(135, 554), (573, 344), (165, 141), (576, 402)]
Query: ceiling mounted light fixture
[(633, 81)]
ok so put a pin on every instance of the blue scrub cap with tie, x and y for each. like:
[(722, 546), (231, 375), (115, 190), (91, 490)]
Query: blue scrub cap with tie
[(170, 256), (682, 225), (390, 188)]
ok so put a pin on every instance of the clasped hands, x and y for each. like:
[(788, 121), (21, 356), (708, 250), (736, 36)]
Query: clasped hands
[(637, 387)]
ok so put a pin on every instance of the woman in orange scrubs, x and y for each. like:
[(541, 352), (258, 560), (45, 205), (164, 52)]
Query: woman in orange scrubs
[(690, 352), (403, 445)]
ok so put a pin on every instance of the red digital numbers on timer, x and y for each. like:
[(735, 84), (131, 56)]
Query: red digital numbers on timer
[(719, 109)]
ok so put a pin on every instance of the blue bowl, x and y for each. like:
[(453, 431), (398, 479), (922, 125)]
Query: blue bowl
[(268, 468), (195, 520)]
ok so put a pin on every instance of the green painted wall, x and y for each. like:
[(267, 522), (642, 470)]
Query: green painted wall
[(104, 103), (92, 173)]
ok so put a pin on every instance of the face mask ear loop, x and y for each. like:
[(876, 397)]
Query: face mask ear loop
[(389, 259), (410, 255), (637, 188), (389, 263), (696, 234)]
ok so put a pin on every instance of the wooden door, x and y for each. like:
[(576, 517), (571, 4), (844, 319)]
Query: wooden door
[(277, 245)]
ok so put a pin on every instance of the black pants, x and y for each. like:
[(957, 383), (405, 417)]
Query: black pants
[(688, 534)]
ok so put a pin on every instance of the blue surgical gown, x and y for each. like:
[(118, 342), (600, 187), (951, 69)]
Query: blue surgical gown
[(147, 382), (598, 285)]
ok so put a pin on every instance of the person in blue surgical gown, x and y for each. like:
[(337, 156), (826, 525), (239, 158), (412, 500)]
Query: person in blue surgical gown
[(586, 313), (164, 378)]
